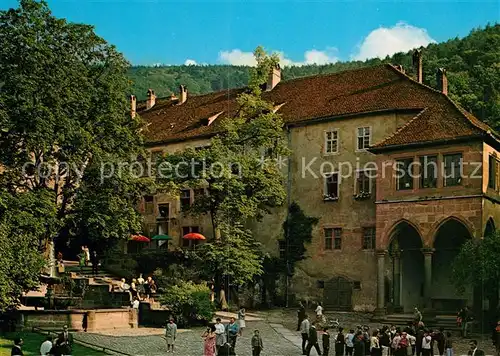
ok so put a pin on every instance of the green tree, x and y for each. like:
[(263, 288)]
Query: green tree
[(477, 266), (63, 117), (240, 184)]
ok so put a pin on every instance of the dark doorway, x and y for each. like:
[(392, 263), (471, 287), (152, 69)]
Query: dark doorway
[(490, 228), (407, 260), (337, 294), (448, 241)]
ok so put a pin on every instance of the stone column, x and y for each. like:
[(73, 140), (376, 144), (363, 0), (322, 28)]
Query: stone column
[(380, 282), (396, 260), (428, 252)]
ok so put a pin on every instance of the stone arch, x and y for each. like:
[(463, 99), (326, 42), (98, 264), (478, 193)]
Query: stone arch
[(435, 228), (450, 234), (490, 227), (391, 233), (407, 260)]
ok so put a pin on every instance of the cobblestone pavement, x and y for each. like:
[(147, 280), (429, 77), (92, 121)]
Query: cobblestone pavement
[(190, 343)]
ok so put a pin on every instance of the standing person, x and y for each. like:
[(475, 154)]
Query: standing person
[(86, 251), (325, 341), (404, 344), (340, 343), (220, 334), (241, 320), (140, 287), (366, 338), (417, 317), (359, 344), (313, 340), (66, 341), (85, 321), (395, 343), (413, 341), (17, 348), (319, 312), (152, 290), (349, 343), (448, 344), (474, 351), (94, 259), (46, 346), (257, 345), (375, 344), (385, 341), (301, 314), (496, 338), (439, 339), (232, 332), (304, 332), (467, 321), (418, 341), (81, 259), (426, 344), (136, 303), (170, 334), (222, 300), (209, 341)]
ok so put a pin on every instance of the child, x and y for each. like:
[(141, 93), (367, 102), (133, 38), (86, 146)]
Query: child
[(326, 341), (448, 344), (256, 343)]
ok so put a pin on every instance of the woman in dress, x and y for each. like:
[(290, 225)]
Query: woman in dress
[(241, 320), (81, 260), (209, 341)]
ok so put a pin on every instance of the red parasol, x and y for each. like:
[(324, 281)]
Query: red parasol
[(139, 238), (194, 236)]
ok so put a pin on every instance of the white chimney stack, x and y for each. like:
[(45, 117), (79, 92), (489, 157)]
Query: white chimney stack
[(183, 94), (150, 102), (133, 106), (274, 78)]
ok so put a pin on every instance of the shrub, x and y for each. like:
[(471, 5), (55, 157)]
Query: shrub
[(190, 303)]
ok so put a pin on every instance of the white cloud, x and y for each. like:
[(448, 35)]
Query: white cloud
[(190, 62), (387, 41), (313, 56), (237, 57)]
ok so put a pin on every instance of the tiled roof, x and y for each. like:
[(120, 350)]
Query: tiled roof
[(372, 89)]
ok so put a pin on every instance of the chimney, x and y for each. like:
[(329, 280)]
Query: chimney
[(417, 63), (274, 78), (133, 106), (442, 81), (150, 102), (183, 94)]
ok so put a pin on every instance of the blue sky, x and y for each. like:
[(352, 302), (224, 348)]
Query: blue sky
[(169, 32)]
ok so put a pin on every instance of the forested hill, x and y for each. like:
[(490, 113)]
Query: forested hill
[(472, 64)]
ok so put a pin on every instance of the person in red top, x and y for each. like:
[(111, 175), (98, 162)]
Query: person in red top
[(496, 338)]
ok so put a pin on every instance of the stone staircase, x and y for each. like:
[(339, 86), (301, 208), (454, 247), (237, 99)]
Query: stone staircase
[(448, 322)]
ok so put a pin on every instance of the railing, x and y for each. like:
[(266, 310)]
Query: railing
[(106, 350)]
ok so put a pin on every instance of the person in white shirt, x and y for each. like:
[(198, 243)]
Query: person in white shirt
[(46, 346), (135, 303), (319, 311), (220, 334), (304, 332), (426, 344)]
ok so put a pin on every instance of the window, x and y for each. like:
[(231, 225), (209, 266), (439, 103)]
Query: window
[(331, 187), (428, 171), (149, 207), (452, 169), (404, 174), (332, 141), (282, 248), (333, 239), (363, 182), (369, 238), (492, 173), (364, 138), (164, 210), (187, 230), (185, 198)]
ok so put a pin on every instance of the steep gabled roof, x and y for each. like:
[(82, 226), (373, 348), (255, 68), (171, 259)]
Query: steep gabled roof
[(365, 90)]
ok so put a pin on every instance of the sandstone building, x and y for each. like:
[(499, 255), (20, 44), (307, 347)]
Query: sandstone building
[(383, 240)]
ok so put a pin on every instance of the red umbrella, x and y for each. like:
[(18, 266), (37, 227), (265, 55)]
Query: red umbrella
[(194, 236), (139, 238)]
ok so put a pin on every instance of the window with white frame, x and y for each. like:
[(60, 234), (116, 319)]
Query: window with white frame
[(331, 141), (364, 182), (364, 138), (331, 191)]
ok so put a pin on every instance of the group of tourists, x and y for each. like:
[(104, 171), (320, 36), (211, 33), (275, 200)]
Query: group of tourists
[(139, 288), (61, 346)]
